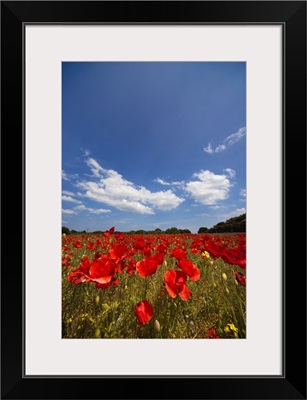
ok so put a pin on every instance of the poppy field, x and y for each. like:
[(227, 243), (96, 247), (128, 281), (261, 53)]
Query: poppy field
[(176, 286)]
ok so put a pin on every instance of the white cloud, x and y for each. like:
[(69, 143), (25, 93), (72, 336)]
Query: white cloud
[(65, 176), (164, 183), (116, 191), (243, 192), (68, 177), (92, 210), (86, 152), (235, 137), (219, 148), (209, 188), (231, 173), (229, 141), (65, 211), (71, 199), (94, 167), (68, 193), (209, 149)]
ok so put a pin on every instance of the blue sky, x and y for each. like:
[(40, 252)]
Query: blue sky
[(149, 145)]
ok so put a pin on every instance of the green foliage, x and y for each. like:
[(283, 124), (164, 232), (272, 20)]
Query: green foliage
[(232, 225), (175, 231), (65, 230), (172, 230), (203, 230)]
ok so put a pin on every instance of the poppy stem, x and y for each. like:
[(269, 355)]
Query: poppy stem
[(145, 287)]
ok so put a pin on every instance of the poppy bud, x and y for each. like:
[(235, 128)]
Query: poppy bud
[(157, 326), (224, 276)]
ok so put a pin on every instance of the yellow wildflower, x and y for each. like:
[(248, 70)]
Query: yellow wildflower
[(205, 254), (231, 328)]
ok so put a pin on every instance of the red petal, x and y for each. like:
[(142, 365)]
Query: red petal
[(185, 293), (189, 268), (144, 311)]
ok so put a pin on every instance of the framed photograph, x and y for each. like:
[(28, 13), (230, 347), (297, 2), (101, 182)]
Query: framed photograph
[(162, 150)]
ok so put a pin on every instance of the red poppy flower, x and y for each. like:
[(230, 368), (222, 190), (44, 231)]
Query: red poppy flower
[(81, 274), (234, 257), (161, 249), (144, 311), (65, 261), (90, 246), (189, 268), (214, 249), (146, 251), (158, 257), (77, 244), (149, 265), (109, 232), (175, 283), (85, 265), (211, 334), (113, 282), (97, 254), (118, 251), (139, 244), (77, 277), (240, 278), (131, 266), (179, 254), (102, 270), (119, 235)]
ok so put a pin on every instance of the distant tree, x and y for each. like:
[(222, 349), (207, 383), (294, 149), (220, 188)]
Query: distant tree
[(65, 230), (232, 225), (172, 230), (175, 231), (203, 229)]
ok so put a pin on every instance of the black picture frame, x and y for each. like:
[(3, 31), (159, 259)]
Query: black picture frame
[(292, 16)]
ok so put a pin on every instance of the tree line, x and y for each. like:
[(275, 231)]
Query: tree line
[(172, 230), (236, 224)]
